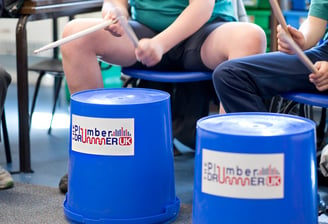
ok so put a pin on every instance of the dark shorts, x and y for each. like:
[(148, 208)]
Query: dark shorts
[(184, 56)]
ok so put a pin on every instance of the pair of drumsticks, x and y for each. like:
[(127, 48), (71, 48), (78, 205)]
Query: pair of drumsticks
[(121, 19)]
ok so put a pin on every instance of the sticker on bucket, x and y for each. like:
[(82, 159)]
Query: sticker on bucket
[(103, 136), (241, 175)]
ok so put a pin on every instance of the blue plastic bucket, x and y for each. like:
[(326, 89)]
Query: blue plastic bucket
[(255, 168), (121, 167)]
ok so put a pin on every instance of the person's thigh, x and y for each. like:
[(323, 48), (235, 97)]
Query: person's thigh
[(268, 74), (101, 43), (243, 84), (232, 40), (278, 72), (191, 58)]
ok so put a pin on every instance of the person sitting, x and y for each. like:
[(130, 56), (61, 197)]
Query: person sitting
[(244, 84), (6, 180), (173, 35)]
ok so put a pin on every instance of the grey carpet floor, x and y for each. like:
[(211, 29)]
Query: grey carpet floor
[(31, 204), (34, 204)]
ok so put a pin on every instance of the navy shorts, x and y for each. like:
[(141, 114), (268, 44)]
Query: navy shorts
[(185, 55)]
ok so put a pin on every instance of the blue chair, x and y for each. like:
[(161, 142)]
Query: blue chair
[(312, 99), (305, 103), (164, 76)]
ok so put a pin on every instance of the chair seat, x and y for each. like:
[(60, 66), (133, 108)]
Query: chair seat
[(313, 99), (51, 66), (168, 76), (306, 101), (48, 65)]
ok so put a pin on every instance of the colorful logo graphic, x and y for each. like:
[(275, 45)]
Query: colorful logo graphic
[(241, 175), (244, 177), (103, 136)]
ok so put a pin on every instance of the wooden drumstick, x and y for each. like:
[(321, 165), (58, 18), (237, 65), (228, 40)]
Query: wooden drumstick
[(278, 14), (128, 30), (76, 35), (286, 36), (299, 52)]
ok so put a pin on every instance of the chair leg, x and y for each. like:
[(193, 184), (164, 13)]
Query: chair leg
[(289, 107), (6, 137), (36, 91), (130, 81), (275, 104), (321, 133), (302, 110), (57, 90)]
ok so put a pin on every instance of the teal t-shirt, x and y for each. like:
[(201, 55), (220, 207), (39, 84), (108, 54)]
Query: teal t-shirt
[(319, 8), (159, 14)]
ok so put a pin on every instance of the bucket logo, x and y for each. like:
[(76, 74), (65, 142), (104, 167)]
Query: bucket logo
[(241, 175), (102, 136)]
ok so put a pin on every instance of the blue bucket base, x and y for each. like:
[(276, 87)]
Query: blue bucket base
[(249, 167), (168, 216)]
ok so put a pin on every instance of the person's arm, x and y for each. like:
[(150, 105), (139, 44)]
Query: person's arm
[(195, 15), (313, 30), (112, 9), (190, 20), (320, 78), (108, 5), (307, 36)]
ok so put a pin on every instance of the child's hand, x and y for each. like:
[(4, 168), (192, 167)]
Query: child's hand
[(115, 29), (320, 78), (296, 35), (149, 52)]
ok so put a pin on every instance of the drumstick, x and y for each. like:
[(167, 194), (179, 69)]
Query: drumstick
[(75, 36), (306, 61), (286, 35), (128, 30), (278, 14)]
